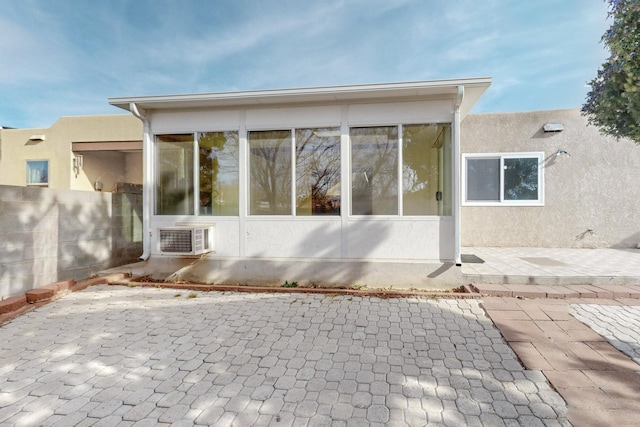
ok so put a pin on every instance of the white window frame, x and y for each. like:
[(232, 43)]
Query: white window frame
[(399, 164), (502, 156), (195, 173), (37, 184)]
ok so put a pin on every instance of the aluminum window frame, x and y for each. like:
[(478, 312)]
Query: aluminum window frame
[(195, 173), (538, 155)]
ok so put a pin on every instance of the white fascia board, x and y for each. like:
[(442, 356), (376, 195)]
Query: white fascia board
[(329, 94)]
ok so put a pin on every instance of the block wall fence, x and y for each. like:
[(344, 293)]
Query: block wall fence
[(51, 235)]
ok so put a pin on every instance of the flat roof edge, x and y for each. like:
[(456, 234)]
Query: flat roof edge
[(123, 102)]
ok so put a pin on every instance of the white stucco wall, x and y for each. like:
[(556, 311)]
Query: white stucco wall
[(592, 198)]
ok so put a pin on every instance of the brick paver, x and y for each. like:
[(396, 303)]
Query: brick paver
[(118, 355), (620, 325), (599, 383)]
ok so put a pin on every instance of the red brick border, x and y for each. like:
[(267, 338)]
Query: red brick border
[(14, 306)]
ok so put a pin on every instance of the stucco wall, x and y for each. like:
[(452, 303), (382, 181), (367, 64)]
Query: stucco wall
[(56, 148), (592, 198), (49, 235)]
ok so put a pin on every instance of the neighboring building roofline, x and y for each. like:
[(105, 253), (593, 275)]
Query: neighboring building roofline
[(559, 110)]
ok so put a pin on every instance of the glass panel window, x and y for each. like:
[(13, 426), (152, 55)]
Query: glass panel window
[(270, 169), (219, 173), (174, 195), (318, 171), (521, 179), (514, 179), (426, 164), (374, 170), (483, 179), (38, 172)]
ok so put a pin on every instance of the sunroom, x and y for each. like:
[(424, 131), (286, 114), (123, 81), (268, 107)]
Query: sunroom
[(341, 185)]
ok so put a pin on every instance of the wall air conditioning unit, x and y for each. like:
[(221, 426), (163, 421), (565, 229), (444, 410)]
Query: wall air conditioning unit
[(185, 240)]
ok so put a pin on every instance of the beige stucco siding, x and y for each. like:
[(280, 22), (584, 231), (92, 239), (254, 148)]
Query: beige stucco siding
[(112, 166), (592, 198)]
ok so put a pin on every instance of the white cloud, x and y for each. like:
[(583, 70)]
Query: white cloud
[(76, 52)]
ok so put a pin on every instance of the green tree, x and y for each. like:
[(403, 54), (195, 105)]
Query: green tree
[(613, 103)]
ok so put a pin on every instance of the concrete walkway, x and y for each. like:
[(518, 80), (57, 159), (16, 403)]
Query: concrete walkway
[(553, 266), (114, 355)]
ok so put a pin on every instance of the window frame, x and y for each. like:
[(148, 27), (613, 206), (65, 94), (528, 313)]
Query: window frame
[(291, 161), (195, 173), (197, 176), (538, 155), (397, 178), (293, 132), (346, 185), (399, 165), (27, 170)]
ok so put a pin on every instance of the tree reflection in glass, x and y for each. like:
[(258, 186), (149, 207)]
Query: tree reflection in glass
[(270, 166), (318, 171), (521, 178), (218, 173), (374, 170)]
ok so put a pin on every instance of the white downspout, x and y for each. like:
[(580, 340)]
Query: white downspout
[(147, 181), (456, 178)]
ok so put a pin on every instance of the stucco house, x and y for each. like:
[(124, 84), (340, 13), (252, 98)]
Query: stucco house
[(340, 185), (60, 218), (588, 192), (89, 153), (380, 184)]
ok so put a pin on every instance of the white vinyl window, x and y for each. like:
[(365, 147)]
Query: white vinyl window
[(494, 179), (38, 173), (401, 170), (313, 154), (197, 174)]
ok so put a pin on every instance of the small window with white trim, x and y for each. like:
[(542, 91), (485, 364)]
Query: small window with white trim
[(494, 179), (38, 173)]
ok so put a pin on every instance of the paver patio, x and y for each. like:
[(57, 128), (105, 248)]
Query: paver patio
[(137, 356), (558, 336)]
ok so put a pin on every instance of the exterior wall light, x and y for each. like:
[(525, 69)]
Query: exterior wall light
[(553, 127), (78, 161)]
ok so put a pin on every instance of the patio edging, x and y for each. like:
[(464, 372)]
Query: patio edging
[(382, 293), (15, 306)]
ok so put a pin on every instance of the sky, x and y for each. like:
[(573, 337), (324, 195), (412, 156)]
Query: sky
[(67, 57)]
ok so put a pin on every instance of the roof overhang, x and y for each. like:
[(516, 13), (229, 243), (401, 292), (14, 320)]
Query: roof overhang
[(125, 146), (383, 92)]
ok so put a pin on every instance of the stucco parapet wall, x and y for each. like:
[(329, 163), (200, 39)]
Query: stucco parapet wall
[(98, 128)]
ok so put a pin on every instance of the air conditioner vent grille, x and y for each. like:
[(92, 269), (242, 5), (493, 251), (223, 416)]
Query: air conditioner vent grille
[(176, 241), (185, 241)]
